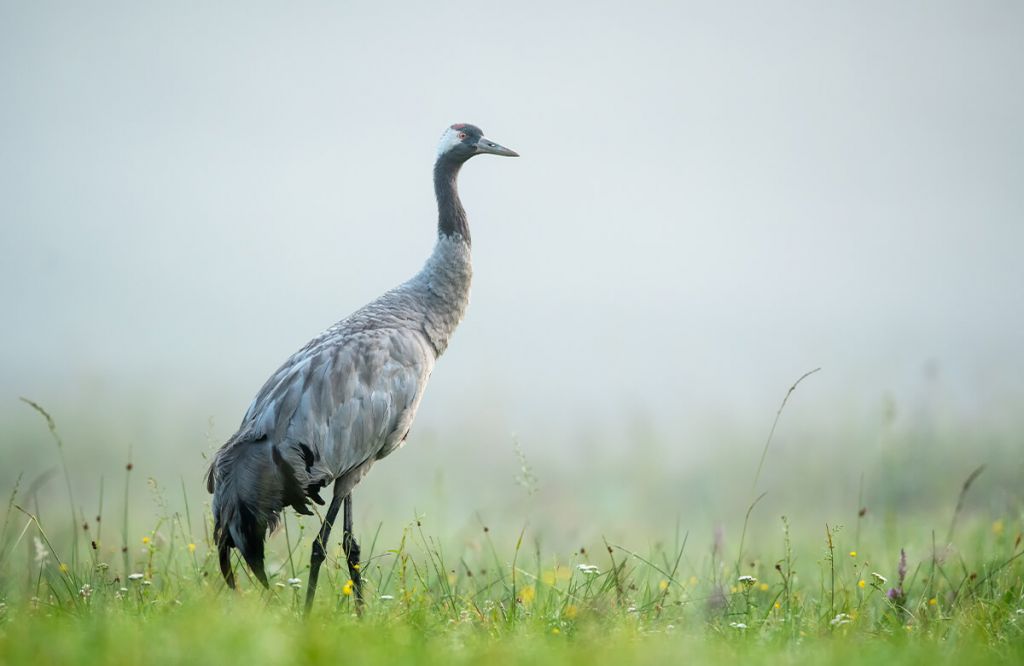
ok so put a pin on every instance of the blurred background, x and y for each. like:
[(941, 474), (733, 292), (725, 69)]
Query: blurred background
[(713, 198)]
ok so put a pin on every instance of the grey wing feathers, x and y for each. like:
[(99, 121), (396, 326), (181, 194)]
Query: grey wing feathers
[(344, 401), (348, 401), (381, 382)]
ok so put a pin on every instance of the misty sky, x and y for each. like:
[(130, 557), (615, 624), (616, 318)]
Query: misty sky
[(712, 198)]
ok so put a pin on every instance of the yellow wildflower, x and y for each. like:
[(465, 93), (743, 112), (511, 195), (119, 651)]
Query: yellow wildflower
[(997, 527), (548, 577), (145, 541), (191, 548), (571, 611), (777, 605), (763, 587), (555, 631), (933, 601), (853, 553), (693, 580), (346, 589), (663, 585), (63, 568), (861, 584), (527, 594)]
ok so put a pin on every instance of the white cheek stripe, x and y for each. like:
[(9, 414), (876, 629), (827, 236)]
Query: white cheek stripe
[(448, 141)]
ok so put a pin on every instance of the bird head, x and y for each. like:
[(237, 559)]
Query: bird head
[(462, 141)]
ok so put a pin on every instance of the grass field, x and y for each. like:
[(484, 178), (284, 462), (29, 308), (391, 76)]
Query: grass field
[(859, 592)]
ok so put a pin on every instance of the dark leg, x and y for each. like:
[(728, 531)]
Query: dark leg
[(348, 542), (320, 549)]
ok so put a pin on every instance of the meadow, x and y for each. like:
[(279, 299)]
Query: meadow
[(937, 579)]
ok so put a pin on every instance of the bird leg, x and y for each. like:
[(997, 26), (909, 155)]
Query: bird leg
[(320, 549), (348, 543)]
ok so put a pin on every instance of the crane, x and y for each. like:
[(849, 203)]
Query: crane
[(349, 396)]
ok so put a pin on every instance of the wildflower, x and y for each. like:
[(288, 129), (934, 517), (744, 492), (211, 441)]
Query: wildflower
[(63, 568), (135, 576), (861, 583), (527, 594), (548, 577), (747, 580), (571, 611), (145, 541), (102, 566), (840, 619), (86, 591), (555, 631), (853, 553), (1019, 611), (346, 589), (663, 585), (777, 605), (588, 568), (191, 548), (896, 594), (295, 582), (42, 554), (738, 625), (693, 580), (933, 601), (147, 583), (763, 587), (882, 580), (997, 527), (387, 597), (280, 585)]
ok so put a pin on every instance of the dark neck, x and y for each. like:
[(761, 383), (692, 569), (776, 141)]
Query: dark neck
[(451, 216)]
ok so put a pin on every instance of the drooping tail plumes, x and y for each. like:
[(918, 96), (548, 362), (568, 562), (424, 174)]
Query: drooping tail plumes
[(246, 488), (252, 481)]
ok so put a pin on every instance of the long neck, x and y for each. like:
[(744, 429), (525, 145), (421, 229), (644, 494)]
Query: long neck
[(451, 216)]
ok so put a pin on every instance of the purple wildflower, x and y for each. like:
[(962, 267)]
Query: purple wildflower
[(897, 594)]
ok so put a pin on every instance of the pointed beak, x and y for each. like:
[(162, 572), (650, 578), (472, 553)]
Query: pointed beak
[(485, 145)]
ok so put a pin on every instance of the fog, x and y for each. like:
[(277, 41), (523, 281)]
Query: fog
[(712, 199)]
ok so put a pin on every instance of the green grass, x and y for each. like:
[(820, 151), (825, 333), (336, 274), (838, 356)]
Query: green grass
[(74, 589), (518, 605)]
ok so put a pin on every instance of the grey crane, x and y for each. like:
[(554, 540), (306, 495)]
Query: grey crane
[(348, 398)]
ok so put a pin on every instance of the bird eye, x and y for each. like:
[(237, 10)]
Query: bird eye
[(462, 135)]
